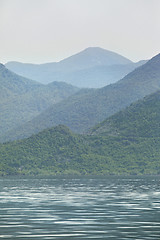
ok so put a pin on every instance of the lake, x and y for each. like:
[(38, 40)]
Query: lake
[(80, 208)]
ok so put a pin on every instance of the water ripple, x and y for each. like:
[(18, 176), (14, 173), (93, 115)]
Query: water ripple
[(106, 208)]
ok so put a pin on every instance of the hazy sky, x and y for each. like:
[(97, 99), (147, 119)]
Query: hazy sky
[(49, 30)]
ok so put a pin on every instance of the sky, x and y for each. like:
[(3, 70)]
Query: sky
[(40, 31)]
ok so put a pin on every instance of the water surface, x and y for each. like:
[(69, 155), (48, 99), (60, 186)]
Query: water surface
[(90, 208)]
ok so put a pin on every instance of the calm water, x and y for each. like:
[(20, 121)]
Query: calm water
[(106, 208)]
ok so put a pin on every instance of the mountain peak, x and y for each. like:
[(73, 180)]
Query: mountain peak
[(91, 49), (93, 56)]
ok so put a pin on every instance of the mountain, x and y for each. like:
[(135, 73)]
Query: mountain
[(93, 67), (141, 119), (98, 76), (87, 108), (93, 56), (22, 99), (14, 85), (126, 143)]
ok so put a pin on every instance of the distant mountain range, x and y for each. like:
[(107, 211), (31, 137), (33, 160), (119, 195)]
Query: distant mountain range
[(86, 108), (21, 99), (92, 68), (126, 143), (120, 125)]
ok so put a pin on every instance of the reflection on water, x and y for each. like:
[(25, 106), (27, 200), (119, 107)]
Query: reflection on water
[(106, 208)]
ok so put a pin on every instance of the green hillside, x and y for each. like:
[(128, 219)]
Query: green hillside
[(14, 85), (59, 151), (22, 99), (140, 119), (82, 111), (126, 143)]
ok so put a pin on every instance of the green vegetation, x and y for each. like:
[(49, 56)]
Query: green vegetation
[(140, 119), (22, 99), (59, 151), (126, 143), (85, 109), (13, 85)]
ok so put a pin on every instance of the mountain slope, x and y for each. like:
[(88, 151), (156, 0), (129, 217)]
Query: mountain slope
[(93, 56), (79, 69), (22, 99), (13, 84), (140, 119), (126, 143), (98, 76), (80, 112)]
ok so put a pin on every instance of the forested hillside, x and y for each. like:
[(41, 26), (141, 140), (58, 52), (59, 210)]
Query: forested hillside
[(87, 108), (126, 143), (22, 99)]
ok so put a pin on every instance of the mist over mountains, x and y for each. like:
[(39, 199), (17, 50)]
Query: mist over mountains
[(93, 67), (119, 122), (22, 99), (84, 109)]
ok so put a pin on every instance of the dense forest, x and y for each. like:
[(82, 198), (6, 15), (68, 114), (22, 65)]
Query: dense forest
[(118, 138), (126, 143)]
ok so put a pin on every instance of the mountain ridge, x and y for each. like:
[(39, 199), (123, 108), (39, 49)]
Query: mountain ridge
[(140, 119), (82, 112), (78, 68), (13, 84), (59, 151), (21, 99)]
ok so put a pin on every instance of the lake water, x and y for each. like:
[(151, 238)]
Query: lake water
[(89, 208)]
